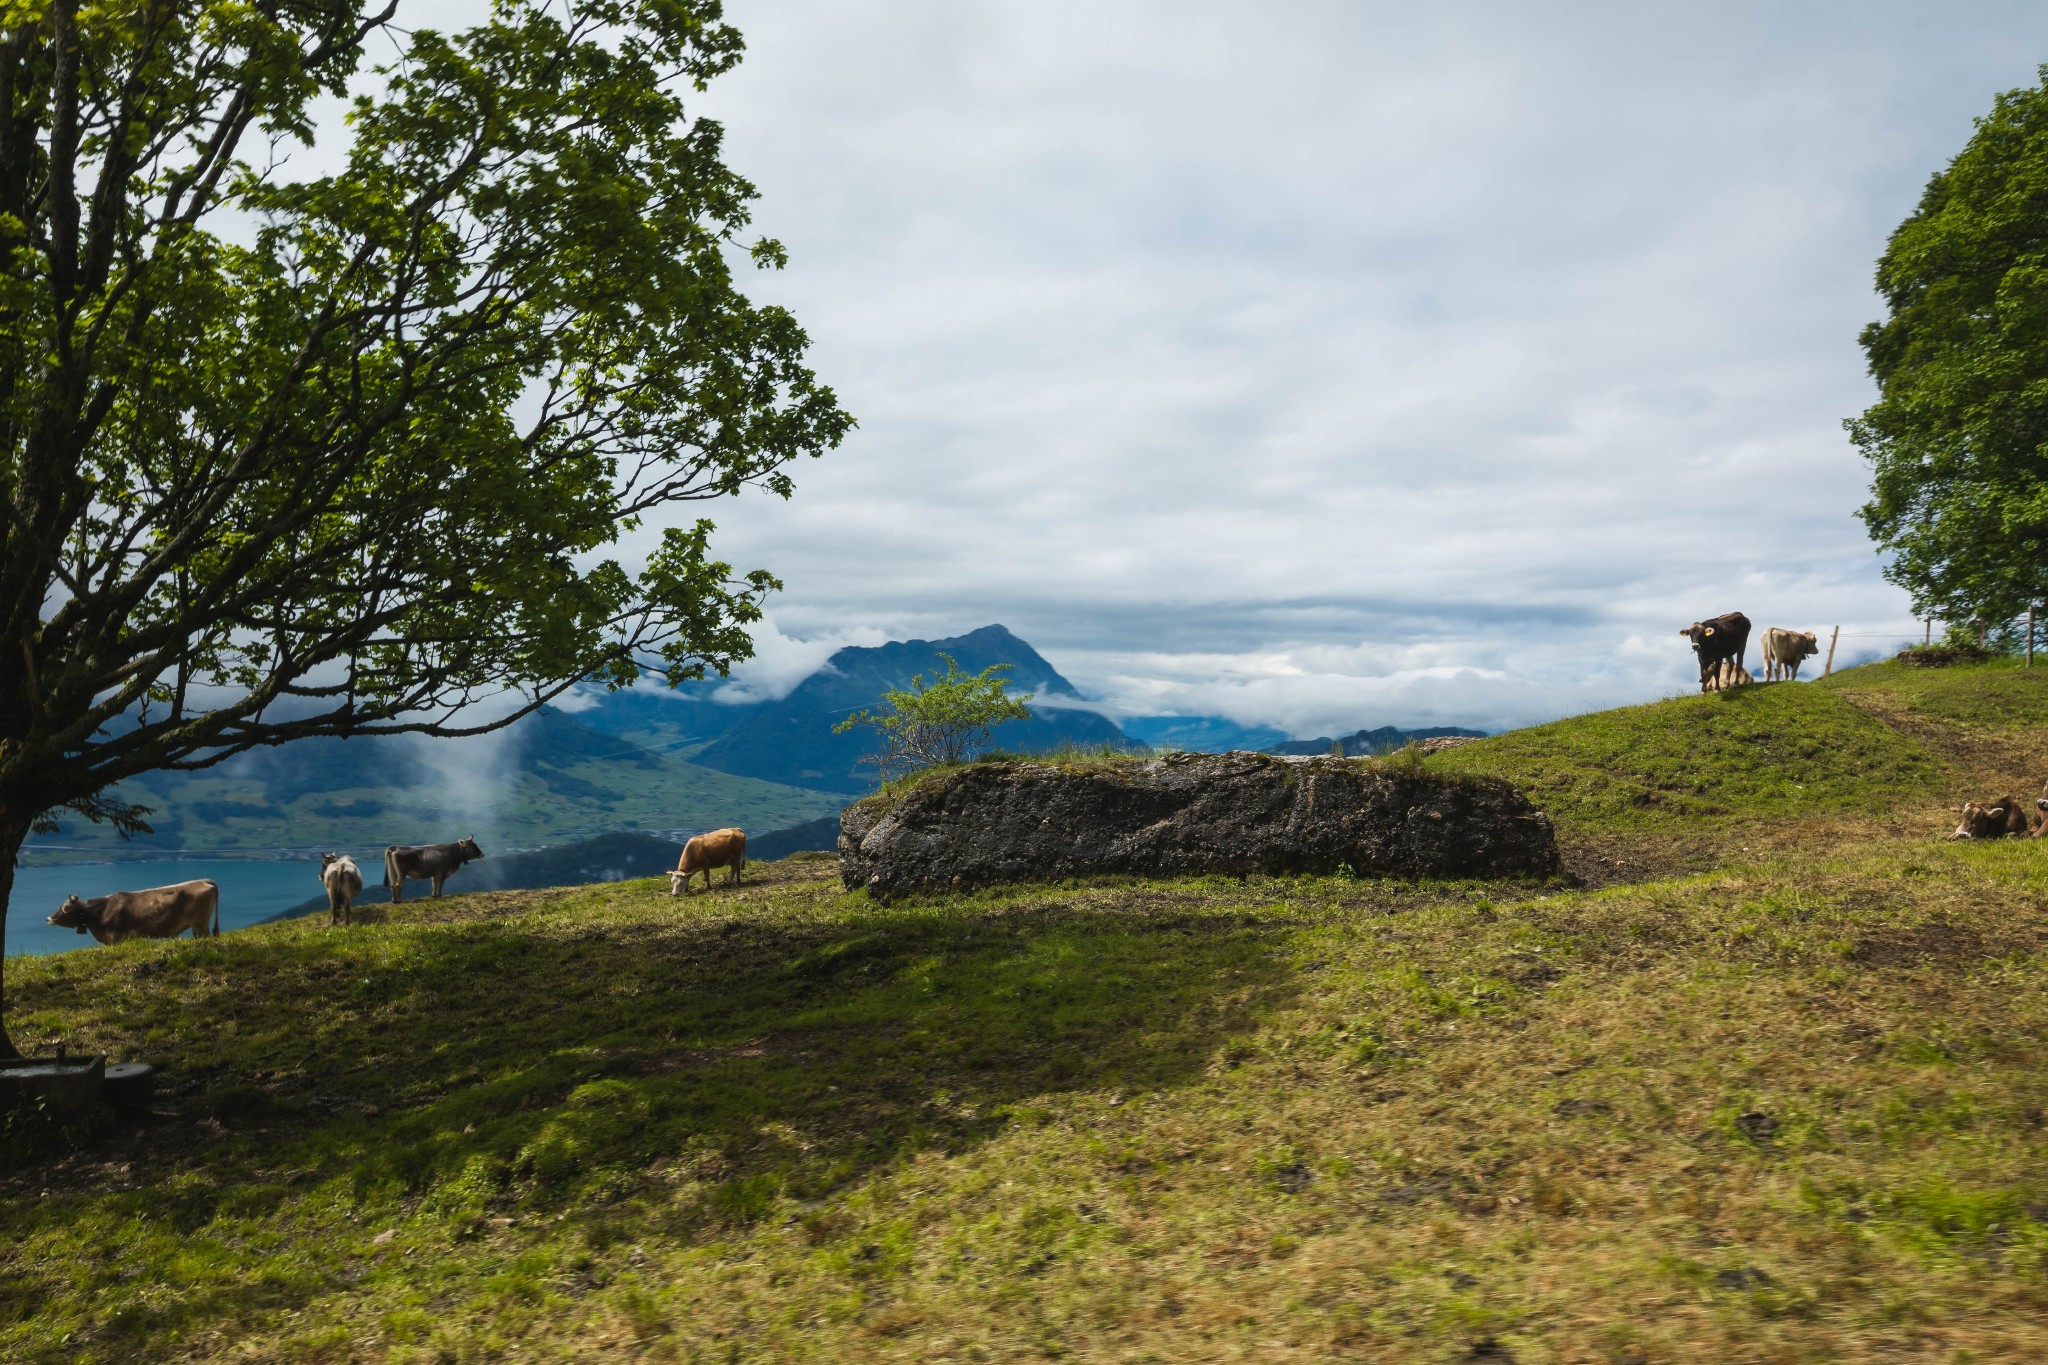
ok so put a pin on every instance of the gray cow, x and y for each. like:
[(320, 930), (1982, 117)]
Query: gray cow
[(434, 863)]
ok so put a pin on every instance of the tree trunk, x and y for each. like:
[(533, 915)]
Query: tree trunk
[(13, 833)]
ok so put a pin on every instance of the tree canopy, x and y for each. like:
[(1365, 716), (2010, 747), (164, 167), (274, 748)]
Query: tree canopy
[(1958, 439), (348, 448)]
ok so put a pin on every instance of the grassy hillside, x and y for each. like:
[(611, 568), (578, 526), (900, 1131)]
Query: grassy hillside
[(1789, 1108), (1779, 1112), (1756, 752)]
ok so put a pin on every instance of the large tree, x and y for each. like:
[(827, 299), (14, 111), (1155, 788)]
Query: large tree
[(1958, 439), (307, 439)]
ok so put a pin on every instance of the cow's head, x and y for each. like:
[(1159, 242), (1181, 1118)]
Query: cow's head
[(71, 914), (2041, 801), (327, 860), (469, 849), (1809, 643)]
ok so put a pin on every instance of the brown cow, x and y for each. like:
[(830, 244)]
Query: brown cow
[(1717, 638), (344, 882), (1996, 820), (160, 912), (719, 848)]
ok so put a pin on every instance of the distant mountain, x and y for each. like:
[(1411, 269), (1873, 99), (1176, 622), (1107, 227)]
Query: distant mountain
[(546, 780), (1200, 734), (791, 739), (813, 836), (1360, 743), (676, 722)]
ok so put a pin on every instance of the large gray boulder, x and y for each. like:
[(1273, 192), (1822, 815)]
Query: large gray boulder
[(1184, 814)]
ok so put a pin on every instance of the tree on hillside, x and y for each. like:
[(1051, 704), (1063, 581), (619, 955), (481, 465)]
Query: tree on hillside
[(1958, 439), (290, 453), (940, 722)]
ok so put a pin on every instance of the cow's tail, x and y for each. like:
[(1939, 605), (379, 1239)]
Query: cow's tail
[(390, 864), (216, 909)]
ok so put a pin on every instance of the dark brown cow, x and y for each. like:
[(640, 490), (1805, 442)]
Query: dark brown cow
[(434, 863), (160, 912), (1721, 638), (1997, 820), (719, 848)]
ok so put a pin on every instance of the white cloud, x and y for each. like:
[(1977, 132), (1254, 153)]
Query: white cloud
[(1338, 364), (781, 661)]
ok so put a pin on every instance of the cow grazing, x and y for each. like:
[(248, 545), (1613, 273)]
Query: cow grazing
[(160, 912), (344, 882), (1996, 820), (434, 863), (719, 848), (1721, 638), (1784, 651)]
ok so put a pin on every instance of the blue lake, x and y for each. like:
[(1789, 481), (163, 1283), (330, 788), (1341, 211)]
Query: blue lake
[(250, 890)]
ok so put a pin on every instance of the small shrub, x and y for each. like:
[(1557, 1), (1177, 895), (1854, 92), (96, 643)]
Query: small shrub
[(1944, 655)]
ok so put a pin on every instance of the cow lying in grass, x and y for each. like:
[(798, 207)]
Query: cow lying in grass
[(719, 848), (1728, 673), (1995, 820)]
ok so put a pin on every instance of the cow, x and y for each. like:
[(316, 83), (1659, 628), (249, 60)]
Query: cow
[(434, 863), (1784, 650), (719, 848), (344, 882), (1721, 637), (1728, 674), (1995, 820), (160, 912)]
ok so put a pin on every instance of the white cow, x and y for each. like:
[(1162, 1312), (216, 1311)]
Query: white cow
[(1783, 652), (344, 882)]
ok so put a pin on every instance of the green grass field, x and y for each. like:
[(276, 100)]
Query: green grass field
[(1787, 1107)]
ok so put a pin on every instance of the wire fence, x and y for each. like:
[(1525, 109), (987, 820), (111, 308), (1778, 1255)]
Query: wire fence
[(2019, 632)]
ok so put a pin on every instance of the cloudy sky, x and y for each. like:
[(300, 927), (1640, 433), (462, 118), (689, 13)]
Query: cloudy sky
[(1339, 364)]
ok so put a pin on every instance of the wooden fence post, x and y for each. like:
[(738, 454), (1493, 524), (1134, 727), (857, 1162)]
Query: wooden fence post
[(1829, 667), (2030, 637), (1928, 638)]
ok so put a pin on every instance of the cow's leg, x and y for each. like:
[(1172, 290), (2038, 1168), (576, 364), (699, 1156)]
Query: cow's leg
[(398, 888), (439, 878)]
